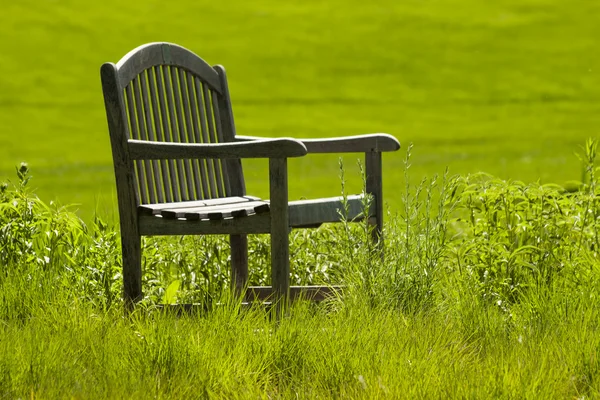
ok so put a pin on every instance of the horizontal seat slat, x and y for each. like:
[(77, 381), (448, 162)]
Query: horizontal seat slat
[(150, 209), (217, 212)]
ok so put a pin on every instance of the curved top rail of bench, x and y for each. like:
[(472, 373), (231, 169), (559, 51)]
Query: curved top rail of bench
[(163, 53)]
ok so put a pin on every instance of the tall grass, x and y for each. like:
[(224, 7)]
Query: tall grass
[(488, 288)]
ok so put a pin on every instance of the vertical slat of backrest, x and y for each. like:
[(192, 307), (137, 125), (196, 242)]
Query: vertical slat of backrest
[(146, 176), (134, 132), (185, 129), (196, 123), (213, 138), (179, 184), (163, 188), (172, 193), (219, 130), (198, 169), (203, 125), (234, 165), (147, 84)]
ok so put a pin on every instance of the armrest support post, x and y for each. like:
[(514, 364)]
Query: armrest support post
[(373, 166), (280, 253)]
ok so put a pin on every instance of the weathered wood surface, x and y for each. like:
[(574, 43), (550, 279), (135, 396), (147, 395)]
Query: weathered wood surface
[(150, 209), (126, 195), (319, 211), (152, 54), (160, 226), (217, 212), (280, 251), (270, 148), (374, 186), (380, 142), (239, 262), (178, 166)]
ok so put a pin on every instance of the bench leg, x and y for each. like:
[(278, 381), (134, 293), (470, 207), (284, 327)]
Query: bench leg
[(374, 187), (132, 269), (280, 252), (239, 263)]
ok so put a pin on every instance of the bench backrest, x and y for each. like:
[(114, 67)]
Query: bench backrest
[(163, 92)]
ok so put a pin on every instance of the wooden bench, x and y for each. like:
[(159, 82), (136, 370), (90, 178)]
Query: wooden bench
[(178, 167)]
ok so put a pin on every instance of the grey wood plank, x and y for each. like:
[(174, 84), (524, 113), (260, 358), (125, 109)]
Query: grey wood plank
[(149, 209), (163, 189), (192, 129), (126, 195), (196, 121), (217, 211), (134, 132), (184, 173), (308, 213), (204, 127), (142, 149), (162, 53), (179, 169), (145, 178), (219, 131), (158, 226), (167, 126), (373, 169), (350, 144), (213, 139), (234, 165), (183, 115), (146, 85), (239, 263), (280, 257)]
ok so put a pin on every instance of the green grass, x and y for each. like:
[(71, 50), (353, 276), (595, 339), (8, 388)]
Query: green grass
[(489, 289), (508, 87)]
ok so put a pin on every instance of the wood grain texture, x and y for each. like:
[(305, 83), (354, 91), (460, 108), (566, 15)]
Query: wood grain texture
[(274, 148), (179, 94), (280, 253), (157, 191), (217, 211), (162, 53), (234, 165), (350, 144), (158, 226), (163, 186), (150, 209), (308, 213), (374, 187), (178, 167), (172, 188), (126, 196), (239, 262)]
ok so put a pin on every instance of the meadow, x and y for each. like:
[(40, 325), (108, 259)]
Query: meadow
[(489, 289), (508, 87), (490, 283)]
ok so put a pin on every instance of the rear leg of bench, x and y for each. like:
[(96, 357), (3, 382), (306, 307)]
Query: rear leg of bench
[(132, 268), (239, 262)]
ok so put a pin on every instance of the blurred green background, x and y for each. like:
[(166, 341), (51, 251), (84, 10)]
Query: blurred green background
[(506, 87)]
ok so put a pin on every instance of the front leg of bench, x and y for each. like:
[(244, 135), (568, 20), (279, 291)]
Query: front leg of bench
[(280, 253), (374, 187)]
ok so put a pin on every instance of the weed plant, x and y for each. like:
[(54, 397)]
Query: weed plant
[(488, 289)]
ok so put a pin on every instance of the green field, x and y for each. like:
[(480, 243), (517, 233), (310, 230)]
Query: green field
[(506, 87), (488, 289)]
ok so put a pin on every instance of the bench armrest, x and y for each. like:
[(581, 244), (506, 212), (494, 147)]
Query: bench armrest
[(264, 148), (349, 144)]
